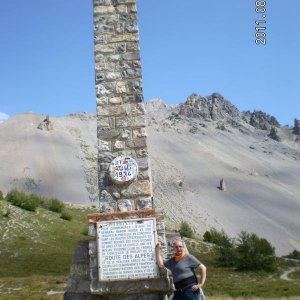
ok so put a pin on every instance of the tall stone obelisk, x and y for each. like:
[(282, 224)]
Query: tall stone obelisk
[(118, 262), (125, 190), (120, 107)]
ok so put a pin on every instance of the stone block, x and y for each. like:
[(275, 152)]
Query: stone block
[(93, 261), (118, 145), (136, 143), (102, 90), (123, 122), (100, 58), (120, 87), (107, 9), (109, 19), (124, 37), (104, 167), (104, 48), (113, 57), (103, 145), (121, 48), (103, 122), (102, 2), (107, 203), (133, 47), (141, 152), (115, 100), (104, 66), (125, 205), (119, 29), (131, 56), (105, 133), (104, 179), (143, 175), (135, 86), (100, 77), (105, 157), (135, 97), (144, 203), (80, 270), (125, 134), (139, 133), (132, 73), (138, 109), (121, 9), (143, 163), (137, 188), (131, 8), (102, 100), (113, 75), (92, 230), (131, 27), (100, 38), (101, 28), (93, 247)]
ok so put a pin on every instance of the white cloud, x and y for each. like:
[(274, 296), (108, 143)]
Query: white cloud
[(3, 117)]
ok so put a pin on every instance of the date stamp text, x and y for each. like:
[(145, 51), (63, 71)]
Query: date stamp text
[(261, 23)]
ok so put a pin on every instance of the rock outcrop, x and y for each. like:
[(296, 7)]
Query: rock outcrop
[(46, 124), (212, 108), (260, 120)]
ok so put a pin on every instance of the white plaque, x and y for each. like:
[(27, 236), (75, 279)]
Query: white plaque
[(123, 169), (126, 249)]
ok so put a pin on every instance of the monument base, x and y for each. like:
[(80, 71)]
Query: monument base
[(79, 282)]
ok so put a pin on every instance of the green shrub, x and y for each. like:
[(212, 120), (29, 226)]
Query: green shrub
[(23, 200), (65, 215), (1, 195), (254, 253), (214, 236), (186, 230), (225, 249), (53, 204), (294, 255)]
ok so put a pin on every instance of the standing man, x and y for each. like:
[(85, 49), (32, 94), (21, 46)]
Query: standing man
[(183, 268)]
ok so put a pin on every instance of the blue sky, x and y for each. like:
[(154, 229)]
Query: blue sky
[(47, 59)]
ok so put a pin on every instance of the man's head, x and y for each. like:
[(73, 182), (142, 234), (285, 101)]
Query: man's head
[(178, 247)]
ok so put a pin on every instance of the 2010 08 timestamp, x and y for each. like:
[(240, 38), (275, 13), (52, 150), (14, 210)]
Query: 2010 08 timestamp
[(260, 29)]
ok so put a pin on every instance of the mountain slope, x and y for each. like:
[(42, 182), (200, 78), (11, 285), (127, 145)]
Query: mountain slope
[(192, 146)]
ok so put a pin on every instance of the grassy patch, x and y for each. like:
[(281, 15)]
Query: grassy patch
[(36, 250), (230, 283), (39, 243), (32, 287)]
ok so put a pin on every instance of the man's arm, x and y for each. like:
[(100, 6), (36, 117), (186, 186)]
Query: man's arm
[(159, 258), (202, 270)]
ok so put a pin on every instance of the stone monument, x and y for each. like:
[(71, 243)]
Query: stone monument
[(118, 262)]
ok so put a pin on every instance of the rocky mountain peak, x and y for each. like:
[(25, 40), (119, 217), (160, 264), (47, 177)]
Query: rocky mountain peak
[(211, 108), (158, 110)]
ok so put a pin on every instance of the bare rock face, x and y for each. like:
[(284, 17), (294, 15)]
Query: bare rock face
[(157, 110), (211, 108), (296, 129), (274, 134), (260, 120), (223, 186), (46, 124)]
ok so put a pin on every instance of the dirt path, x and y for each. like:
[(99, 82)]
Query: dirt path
[(285, 275)]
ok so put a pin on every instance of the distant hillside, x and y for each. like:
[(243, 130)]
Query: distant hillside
[(192, 146)]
